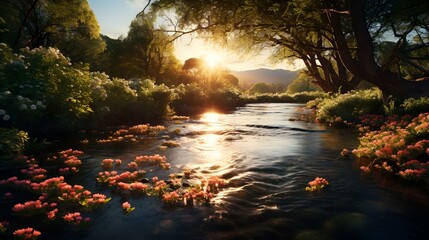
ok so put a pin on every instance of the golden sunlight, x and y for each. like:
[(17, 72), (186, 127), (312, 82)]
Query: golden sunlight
[(212, 59), (210, 117)]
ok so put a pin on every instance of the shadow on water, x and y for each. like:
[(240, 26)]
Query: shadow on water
[(268, 159)]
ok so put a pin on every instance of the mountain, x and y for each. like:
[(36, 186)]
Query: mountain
[(263, 75)]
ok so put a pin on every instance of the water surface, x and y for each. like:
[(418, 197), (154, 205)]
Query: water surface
[(268, 157)]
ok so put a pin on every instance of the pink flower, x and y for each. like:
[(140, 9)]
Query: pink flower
[(127, 208), (126, 205), (52, 214), (155, 179), (74, 218), (171, 197), (317, 184), (26, 233), (365, 169)]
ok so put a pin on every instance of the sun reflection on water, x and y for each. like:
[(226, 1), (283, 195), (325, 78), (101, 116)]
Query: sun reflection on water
[(210, 117)]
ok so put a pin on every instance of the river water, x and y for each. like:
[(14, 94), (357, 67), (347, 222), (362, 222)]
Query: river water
[(268, 157)]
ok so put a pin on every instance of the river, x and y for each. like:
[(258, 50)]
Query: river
[(268, 156)]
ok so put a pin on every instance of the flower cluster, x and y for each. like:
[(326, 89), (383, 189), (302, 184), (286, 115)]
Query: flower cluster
[(26, 234), (171, 191), (133, 134), (15, 105), (55, 196), (108, 163), (70, 159), (317, 184), (400, 147), (30, 207), (17, 183), (170, 143), (34, 172), (153, 159), (127, 208), (75, 218)]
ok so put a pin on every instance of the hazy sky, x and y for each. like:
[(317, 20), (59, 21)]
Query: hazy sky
[(115, 16)]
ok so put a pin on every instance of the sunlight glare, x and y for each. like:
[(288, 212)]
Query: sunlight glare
[(213, 59), (210, 117)]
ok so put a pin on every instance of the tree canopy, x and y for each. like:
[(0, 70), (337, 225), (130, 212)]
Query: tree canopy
[(383, 42), (146, 52), (70, 26)]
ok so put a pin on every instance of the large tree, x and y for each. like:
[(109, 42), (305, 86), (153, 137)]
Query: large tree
[(69, 25), (337, 39), (146, 52)]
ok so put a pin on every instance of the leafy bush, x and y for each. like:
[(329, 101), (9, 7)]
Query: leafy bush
[(153, 101), (414, 106), (225, 99), (348, 107), (304, 97), (43, 93), (12, 141), (188, 98), (301, 97), (41, 88)]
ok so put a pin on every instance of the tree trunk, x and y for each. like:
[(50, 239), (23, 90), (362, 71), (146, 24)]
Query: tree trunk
[(365, 66)]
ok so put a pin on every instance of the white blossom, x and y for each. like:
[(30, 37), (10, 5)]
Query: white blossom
[(6, 117)]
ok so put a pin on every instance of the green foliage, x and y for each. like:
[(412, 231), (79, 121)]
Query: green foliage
[(414, 106), (304, 30), (146, 52), (188, 97), (153, 100), (40, 86), (12, 141), (70, 26), (348, 107), (302, 83), (225, 99), (302, 97), (259, 88), (43, 93)]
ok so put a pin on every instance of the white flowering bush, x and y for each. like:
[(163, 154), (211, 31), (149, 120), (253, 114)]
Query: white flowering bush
[(40, 87), (42, 92)]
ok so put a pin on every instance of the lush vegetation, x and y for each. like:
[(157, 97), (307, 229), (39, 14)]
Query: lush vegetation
[(340, 42), (59, 75), (393, 138)]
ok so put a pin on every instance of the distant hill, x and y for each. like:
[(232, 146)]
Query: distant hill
[(263, 75)]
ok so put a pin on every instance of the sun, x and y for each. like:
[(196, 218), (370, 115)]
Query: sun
[(212, 60)]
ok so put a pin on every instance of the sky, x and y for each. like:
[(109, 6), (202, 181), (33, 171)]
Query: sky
[(115, 16)]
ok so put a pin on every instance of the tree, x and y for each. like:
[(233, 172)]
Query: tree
[(336, 40), (146, 52), (193, 66), (70, 26), (302, 83)]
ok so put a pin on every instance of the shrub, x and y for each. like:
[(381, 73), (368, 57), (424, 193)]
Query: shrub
[(348, 107), (304, 97), (12, 141), (414, 106), (225, 99), (188, 98), (40, 87)]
